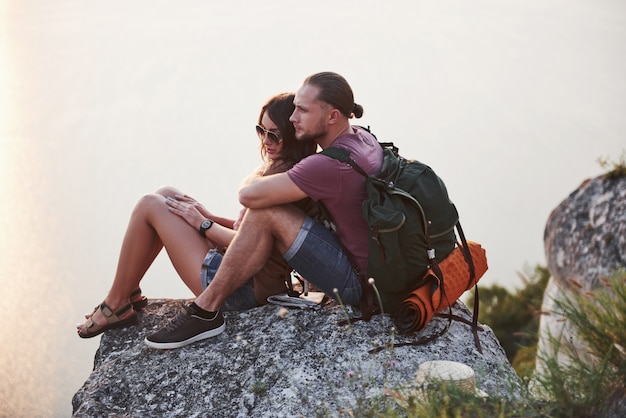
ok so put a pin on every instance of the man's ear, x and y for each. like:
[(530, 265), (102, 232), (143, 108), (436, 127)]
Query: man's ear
[(334, 116)]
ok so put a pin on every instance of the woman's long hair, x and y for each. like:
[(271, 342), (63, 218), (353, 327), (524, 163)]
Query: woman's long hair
[(279, 108)]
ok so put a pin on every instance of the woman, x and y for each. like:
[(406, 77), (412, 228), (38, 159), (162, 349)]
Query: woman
[(170, 219)]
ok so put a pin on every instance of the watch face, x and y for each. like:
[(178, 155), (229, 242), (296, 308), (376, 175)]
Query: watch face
[(206, 224)]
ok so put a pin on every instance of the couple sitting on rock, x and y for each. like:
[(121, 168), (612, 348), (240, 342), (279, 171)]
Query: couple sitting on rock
[(274, 233)]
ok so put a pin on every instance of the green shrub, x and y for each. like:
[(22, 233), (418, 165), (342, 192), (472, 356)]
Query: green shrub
[(514, 317), (615, 169), (594, 380)]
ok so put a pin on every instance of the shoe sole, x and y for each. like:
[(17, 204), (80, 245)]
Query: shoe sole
[(178, 344), (120, 324)]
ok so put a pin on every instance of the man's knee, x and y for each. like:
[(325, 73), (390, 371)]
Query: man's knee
[(275, 215), (282, 222)]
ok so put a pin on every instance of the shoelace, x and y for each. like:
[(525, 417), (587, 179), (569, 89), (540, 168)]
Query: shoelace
[(178, 320)]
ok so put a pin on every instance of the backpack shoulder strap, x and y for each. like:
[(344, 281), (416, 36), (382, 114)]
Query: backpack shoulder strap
[(367, 296), (343, 155), (340, 154)]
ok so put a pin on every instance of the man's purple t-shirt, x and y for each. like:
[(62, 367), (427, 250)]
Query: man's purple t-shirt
[(342, 189)]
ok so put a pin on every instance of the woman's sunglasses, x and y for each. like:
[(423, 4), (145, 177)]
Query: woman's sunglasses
[(271, 135)]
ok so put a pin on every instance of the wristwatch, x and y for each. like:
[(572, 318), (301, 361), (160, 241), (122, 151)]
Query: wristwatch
[(206, 224)]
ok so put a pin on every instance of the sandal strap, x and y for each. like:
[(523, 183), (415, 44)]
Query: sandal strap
[(136, 293), (138, 300), (114, 320), (109, 314)]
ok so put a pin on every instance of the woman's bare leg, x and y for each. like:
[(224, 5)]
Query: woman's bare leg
[(151, 227)]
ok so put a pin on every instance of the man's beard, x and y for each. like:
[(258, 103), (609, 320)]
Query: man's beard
[(320, 131)]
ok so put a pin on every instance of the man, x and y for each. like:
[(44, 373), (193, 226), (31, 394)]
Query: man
[(330, 261)]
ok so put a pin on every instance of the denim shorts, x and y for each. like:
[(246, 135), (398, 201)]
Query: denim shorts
[(242, 299), (318, 256)]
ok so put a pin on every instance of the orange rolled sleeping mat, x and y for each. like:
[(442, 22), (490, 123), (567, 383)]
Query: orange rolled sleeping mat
[(419, 307)]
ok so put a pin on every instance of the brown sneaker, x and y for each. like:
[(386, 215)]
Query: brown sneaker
[(186, 328)]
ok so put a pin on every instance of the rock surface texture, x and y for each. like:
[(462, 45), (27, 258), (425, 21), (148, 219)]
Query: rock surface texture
[(585, 236), (272, 362), (585, 239)]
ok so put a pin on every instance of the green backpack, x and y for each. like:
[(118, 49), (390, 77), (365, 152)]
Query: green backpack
[(411, 222)]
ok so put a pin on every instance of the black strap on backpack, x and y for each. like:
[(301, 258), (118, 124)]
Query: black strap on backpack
[(290, 289), (434, 265), (470, 262), (368, 303)]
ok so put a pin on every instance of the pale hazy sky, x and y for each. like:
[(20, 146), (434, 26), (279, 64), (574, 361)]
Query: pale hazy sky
[(511, 102)]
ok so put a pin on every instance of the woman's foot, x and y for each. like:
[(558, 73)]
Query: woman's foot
[(138, 301), (104, 318)]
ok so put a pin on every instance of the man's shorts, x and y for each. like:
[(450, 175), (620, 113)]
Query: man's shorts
[(242, 299), (318, 256)]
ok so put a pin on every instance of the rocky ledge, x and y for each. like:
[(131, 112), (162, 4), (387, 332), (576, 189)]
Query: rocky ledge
[(272, 362)]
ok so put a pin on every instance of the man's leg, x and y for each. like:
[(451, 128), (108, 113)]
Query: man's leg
[(318, 255), (260, 230)]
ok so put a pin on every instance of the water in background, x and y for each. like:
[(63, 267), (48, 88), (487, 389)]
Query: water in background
[(102, 102)]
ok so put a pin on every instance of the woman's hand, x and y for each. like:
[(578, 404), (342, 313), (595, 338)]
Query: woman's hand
[(190, 200), (186, 208), (242, 213)]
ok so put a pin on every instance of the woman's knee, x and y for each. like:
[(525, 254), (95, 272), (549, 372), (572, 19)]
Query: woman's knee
[(148, 203), (157, 198), (168, 191)]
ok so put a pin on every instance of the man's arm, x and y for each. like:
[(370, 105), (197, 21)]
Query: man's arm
[(264, 191)]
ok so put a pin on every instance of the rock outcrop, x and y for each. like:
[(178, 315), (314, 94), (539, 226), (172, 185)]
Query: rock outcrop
[(585, 239), (272, 362), (585, 236)]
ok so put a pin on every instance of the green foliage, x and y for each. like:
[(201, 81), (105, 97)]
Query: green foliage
[(601, 316), (259, 388), (450, 401), (514, 317), (615, 169), (595, 379)]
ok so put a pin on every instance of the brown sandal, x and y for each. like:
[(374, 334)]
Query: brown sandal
[(113, 320), (138, 300)]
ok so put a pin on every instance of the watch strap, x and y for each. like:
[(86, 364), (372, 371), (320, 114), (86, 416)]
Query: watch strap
[(202, 230)]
